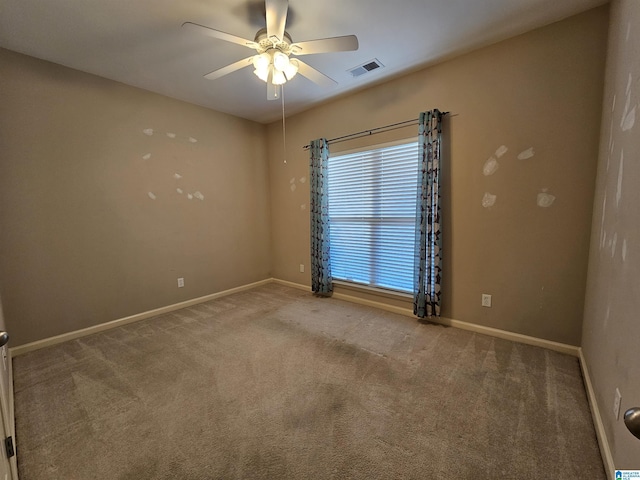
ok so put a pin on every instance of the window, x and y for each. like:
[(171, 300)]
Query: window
[(372, 207)]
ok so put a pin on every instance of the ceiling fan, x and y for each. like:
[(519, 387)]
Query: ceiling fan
[(272, 62)]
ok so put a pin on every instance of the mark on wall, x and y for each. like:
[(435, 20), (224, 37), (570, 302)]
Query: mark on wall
[(501, 151), (489, 200), (525, 154), (624, 250), (628, 116), (628, 32), (604, 209), (606, 316), (620, 175), (614, 242), (611, 142), (303, 179), (611, 133), (609, 156), (490, 166), (293, 187), (545, 199), (630, 120), (303, 206), (177, 176), (613, 103)]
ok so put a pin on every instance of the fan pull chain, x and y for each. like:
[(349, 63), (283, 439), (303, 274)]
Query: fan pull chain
[(284, 130)]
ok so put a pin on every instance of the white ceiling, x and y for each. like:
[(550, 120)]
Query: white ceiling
[(141, 42)]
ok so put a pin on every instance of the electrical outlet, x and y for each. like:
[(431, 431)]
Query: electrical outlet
[(486, 300), (180, 282), (616, 404), (301, 268)]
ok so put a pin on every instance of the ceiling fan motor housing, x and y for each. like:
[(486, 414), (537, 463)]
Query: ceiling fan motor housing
[(266, 43)]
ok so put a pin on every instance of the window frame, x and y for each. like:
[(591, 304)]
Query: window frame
[(372, 286)]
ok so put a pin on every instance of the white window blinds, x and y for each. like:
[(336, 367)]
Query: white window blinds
[(372, 207)]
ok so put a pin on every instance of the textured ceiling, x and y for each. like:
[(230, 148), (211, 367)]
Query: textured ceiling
[(141, 42)]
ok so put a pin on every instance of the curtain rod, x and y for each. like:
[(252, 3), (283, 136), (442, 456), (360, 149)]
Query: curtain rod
[(392, 126)]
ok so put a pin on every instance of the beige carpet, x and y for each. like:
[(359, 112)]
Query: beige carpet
[(277, 384)]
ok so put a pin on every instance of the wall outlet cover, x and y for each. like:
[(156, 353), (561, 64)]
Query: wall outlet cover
[(486, 300), (180, 282)]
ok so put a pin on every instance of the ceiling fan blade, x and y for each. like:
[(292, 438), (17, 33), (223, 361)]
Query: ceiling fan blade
[(273, 91), (245, 62), (227, 37), (314, 75), (325, 45), (276, 18)]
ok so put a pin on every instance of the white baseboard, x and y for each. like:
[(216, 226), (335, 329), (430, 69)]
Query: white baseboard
[(299, 286), (494, 332), (601, 434), (449, 322), (47, 342), (514, 337)]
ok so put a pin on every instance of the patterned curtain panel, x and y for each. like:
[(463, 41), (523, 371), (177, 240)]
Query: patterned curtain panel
[(321, 281), (428, 255)]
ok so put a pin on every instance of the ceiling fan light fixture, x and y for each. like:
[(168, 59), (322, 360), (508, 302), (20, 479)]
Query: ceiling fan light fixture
[(262, 74), (291, 69), (280, 61), (278, 77), (261, 62)]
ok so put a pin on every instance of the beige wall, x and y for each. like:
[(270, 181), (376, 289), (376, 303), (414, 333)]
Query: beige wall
[(611, 333), (81, 241), (541, 90)]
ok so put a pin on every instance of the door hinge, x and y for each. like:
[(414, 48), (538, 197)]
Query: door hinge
[(8, 444)]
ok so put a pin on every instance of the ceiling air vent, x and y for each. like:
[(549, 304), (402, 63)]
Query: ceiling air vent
[(365, 68)]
